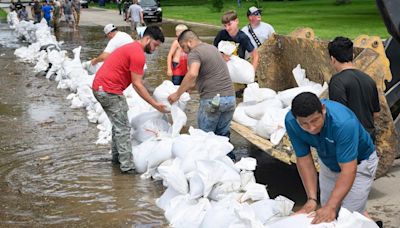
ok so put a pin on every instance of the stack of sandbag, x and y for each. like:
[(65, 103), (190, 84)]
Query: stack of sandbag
[(240, 70), (263, 110), (205, 188)]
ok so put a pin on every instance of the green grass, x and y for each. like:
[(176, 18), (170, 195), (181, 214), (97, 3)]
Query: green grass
[(3, 14), (327, 19)]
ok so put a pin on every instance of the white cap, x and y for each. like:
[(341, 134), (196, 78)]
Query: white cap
[(108, 28), (252, 10)]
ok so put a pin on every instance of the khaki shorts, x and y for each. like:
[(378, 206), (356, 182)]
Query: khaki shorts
[(357, 197)]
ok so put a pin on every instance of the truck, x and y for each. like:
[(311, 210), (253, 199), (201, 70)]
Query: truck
[(281, 53)]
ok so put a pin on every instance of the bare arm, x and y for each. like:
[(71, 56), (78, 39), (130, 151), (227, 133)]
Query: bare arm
[(342, 186), (308, 174), (100, 58), (142, 91), (141, 18), (171, 53), (188, 81), (255, 58)]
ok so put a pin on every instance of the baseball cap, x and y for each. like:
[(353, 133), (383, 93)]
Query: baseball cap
[(109, 28), (253, 10)]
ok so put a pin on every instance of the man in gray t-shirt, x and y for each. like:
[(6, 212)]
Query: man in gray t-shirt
[(135, 12), (209, 72)]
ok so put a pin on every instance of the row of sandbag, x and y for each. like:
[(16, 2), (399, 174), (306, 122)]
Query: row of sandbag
[(263, 110)]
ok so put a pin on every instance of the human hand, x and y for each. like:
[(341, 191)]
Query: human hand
[(324, 214), (173, 98), (93, 62), (169, 73), (308, 207), (160, 107), (226, 57)]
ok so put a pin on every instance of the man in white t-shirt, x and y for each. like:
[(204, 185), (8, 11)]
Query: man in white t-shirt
[(256, 30), (135, 12), (117, 39)]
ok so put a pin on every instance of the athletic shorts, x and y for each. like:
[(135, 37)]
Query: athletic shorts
[(356, 198)]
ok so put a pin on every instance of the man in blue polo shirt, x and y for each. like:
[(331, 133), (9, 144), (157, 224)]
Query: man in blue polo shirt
[(348, 160)]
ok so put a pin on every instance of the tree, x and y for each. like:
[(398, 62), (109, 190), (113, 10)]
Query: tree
[(218, 5)]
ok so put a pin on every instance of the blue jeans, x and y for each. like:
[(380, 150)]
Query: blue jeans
[(217, 120)]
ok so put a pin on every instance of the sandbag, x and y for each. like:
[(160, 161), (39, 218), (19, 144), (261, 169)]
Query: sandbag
[(240, 70), (272, 125), (152, 128), (257, 110), (240, 116), (253, 92)]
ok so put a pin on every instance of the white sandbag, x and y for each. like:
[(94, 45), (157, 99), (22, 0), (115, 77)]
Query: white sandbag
[(287, 96), (257, 110), (272, 125), (143, 117), (167, 88), (152, 128), (264, 209), (210, 173), (240, 70), (91, 69), (196, 186), (174, 176), (186, 213), (284, 206), (226, 47), (247, 163), (221, 214), (222, 190), (240, 116), (179, 120), (149, 154), (140, 30), (253, 92), (246, 177), (298, 221), (346, 219), (247, 217), (166, 197), (182, 144), (255, 192)]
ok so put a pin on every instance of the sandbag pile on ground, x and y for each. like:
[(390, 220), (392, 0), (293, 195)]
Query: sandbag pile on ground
[(263, 110)]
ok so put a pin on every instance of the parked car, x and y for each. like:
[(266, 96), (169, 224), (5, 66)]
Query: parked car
[(151, 10), (84, 3)]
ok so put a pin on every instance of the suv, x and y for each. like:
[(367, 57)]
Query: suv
[(84, 3), (151, 10)]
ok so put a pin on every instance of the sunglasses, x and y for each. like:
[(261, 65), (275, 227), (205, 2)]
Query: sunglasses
[(256, 14)]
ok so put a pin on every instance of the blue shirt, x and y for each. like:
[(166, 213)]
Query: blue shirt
[(342, 138), (47, 11)]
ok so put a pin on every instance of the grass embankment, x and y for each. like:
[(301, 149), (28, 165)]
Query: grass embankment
[(3, 14), (327, 19)]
